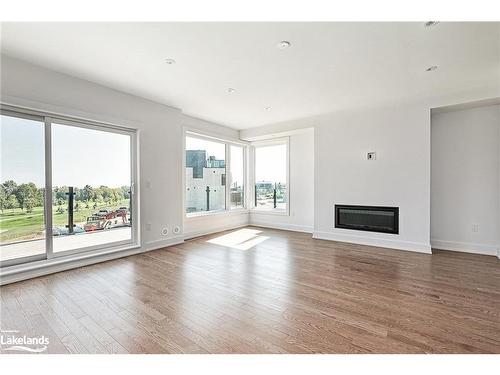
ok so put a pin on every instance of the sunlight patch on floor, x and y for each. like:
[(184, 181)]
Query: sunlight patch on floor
[(242, 239)]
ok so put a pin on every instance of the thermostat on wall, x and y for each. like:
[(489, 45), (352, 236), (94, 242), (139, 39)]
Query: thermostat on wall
[(371, 156)]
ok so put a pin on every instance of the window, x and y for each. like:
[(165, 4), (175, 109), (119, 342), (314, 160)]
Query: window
[(237, 171), (66, 187), (91, 179), (22, 189), (271, 176), (214, 175), (205, 175)]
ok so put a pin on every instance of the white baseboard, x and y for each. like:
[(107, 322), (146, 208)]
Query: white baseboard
[(372, 241), (158, 244), (282, 226), (465, 247)]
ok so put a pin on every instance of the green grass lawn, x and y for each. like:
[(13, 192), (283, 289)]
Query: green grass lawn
[(16, 225)]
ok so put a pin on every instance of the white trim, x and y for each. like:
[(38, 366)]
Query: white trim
[(16, 104), (261, 211), (220, 228), (282, 226), (196, 133), (161, 243), (465, 247), (48, 203), (57, 113), (203, 214), (268, 143), (46, 267), (372, 241), (229, 176)]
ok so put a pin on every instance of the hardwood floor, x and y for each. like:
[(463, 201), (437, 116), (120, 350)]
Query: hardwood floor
[(288, 293)]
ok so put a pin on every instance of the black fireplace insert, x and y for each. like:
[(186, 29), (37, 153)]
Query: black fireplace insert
[(367, 218)]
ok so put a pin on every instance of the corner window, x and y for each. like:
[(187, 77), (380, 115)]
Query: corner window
[(271, 176), (214, 180)]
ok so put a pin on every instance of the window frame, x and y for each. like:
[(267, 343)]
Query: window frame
[(266, 143), (229, 178), (228, 142), (47, 119)]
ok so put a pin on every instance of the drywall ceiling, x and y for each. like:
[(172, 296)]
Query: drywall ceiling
[(329, 66)]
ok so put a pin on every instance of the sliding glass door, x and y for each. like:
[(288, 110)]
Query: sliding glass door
[(22, 179), (91, 184), (89, 170)]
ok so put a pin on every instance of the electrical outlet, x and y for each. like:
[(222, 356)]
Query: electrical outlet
[(164, 232), (475, 228)]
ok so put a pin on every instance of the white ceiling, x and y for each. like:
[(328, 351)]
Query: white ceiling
[(330, 66)]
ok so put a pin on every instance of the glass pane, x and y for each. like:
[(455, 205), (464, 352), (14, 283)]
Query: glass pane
[(237, 168), (91, 177), (270, 177), (205, 175), (22, 176)]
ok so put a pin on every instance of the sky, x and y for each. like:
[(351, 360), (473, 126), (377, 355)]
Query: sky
[(213, 148), (90, 157), (79, 156), (270, 163), (236, 164), (270, 160)]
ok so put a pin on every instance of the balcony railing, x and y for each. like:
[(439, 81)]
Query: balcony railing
[(270, 196)]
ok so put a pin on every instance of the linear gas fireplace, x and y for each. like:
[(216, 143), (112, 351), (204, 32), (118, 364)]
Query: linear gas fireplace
[(368, 218)]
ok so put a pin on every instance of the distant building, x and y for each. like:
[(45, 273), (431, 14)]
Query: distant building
[(196, 159), (203, 173)]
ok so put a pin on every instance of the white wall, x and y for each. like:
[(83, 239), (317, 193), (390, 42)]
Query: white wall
[(465, 180), (160, 131), (301, 181), (400, 176)]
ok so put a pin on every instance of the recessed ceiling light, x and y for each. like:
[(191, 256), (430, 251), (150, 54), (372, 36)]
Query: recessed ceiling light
[(268, 108), (231, 90), (431, 68), (170, 61), (284, 44), (431, 23)]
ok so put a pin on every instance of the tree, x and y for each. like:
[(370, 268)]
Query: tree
[(125, 192), (3, 198), (40, 197), (10, 187), (12, 202), (25, 193), (29, 204), (88, 193)]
